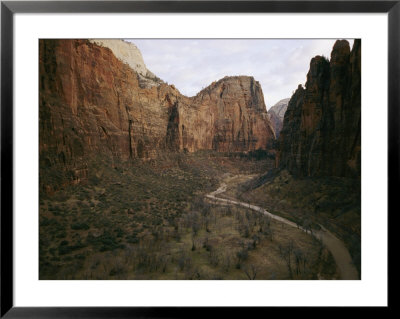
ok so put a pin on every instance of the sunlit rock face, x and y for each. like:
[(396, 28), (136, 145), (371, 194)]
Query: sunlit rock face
[(321, 133), (128, 53), (229, 115), (97, 98)]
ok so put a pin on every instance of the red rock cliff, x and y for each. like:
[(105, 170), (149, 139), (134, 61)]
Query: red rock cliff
[(91, 104), (321, 133)]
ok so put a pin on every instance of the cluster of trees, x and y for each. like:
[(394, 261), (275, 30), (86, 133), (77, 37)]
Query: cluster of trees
[(175, 246)]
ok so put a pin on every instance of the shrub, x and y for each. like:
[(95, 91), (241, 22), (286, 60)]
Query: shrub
[(80, 226), (64, 248)]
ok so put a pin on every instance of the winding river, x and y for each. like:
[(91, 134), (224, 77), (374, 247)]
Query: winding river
[(338, 250)]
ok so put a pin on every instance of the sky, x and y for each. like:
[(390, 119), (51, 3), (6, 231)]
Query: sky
[(280, 65)]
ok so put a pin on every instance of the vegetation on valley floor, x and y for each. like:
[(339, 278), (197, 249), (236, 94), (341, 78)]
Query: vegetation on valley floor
[(149, 220), (334, 202)]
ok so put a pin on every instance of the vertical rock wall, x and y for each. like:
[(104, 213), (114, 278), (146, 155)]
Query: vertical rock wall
[(321, 133)]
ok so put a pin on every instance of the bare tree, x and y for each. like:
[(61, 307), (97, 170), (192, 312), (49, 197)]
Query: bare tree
[(184, 261), (298, 257), (256, 240), (206, 222), (214, 257), (286, 254), (164, 262), (250, 271), (241, 255), (207, 245), (226, 261), (193, 242)]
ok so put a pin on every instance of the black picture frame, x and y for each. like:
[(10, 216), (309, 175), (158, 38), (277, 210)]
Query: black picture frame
[(9, 8)]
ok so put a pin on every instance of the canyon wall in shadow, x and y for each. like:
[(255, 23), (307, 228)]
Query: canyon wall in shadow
[(321, 133)]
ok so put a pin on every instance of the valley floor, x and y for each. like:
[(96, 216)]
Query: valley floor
[(338, 250), (151, 220)]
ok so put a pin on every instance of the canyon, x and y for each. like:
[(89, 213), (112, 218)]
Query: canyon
[(129, 170), (91, 102), (98, 97)]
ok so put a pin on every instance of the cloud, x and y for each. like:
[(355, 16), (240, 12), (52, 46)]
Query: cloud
[(192, 64)]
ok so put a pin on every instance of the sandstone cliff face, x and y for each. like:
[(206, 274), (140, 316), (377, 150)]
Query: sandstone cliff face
[(228, 116), (276, 114), (131, 55), (91, 103), (321, 133)]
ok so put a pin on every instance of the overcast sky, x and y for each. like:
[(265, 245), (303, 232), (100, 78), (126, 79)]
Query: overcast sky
[(279, 65)]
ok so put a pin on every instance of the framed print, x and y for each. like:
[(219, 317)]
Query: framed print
[(164, 155)]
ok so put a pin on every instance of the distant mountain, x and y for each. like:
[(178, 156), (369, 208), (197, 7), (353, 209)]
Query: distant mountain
[(276, 115)]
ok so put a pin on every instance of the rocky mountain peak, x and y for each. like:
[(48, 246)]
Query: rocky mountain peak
[(340, 51), (280, 107), (237, 87), (129, 53), (276, 114), (321, 129)]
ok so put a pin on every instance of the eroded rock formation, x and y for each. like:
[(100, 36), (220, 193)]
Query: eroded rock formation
[(93, 103), (321, 133)]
